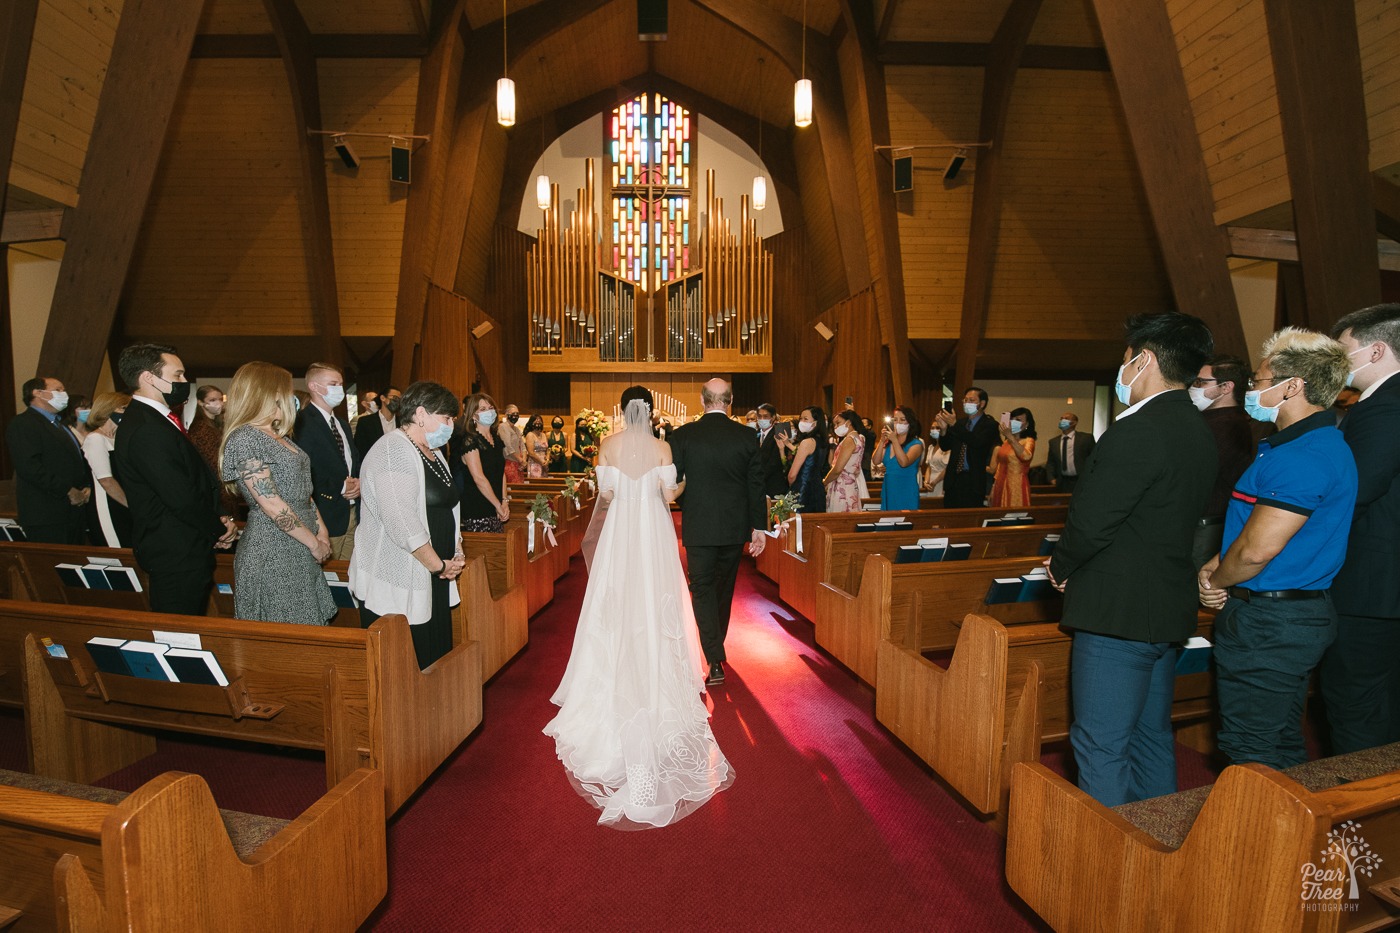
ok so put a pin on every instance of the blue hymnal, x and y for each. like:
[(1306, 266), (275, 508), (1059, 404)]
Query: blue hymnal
[(106, 653), (71, 575), (96, 577), (145, 660), (1034, 586), (1047, 545), (958, 552), (1003, 590), (1194, 656), (909, 554)]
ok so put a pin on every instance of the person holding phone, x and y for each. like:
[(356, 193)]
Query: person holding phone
[(901, 450), (1010, 465), (969, 442)]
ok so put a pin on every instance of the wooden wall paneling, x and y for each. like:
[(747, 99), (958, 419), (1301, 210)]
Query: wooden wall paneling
[(1007, 45), (1378, 28), (857, 346), (8, 403), (802, 361), (149, 55), (16, 33), (1318, 62), (294, 41), (505, 352), (1141, 47), (473, 256), (445, 356), (438, 81), (1386, 195)]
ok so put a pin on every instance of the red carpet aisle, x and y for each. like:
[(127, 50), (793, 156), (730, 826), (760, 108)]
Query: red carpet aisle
[(828, 827)]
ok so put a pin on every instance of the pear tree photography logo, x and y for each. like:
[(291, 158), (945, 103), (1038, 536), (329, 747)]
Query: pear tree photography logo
[(1331, 883)]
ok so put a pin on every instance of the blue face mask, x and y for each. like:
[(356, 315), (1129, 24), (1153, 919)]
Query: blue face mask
[(83, 415), (1016, 427), (486, 418), (439, 435), (765, 423), (1065, 423), (1258, 411), (1122, 390)]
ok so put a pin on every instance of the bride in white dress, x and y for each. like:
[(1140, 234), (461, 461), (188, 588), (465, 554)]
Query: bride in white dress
[(632, 729)]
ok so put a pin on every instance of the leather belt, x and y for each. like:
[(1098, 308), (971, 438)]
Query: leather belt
[(1207, 522), (1240, 592)]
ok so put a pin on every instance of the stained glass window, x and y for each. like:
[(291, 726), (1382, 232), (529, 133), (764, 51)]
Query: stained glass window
[(650, 149)]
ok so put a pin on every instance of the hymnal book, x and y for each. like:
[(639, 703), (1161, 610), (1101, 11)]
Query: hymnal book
[(909, 554), (1194, 656), (10, 531), (124, 579), (1010, 518), (1003, 590), (894, 526), (933, 549), (1035, 586), (55, 651), (71, 575), (340, 592), (106, 653), (1047, 545), (890, 520), (961, 551), (866, 526), (95, 576), (870, 507), (196, 666), (225, 589), (146, 659)]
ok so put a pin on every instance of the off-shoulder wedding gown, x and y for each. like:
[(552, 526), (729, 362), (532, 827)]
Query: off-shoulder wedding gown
[(632, 729)]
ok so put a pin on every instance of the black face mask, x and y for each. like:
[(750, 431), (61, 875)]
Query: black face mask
[(391, 406), (115, 417), (557, 425), (178, 395)]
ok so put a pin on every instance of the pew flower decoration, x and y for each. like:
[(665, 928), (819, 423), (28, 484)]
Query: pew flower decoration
[(571, 489), (541, 513), (781, 509), (590, 476)]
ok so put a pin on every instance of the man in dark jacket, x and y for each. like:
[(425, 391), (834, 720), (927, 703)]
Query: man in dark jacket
[(52, 481)]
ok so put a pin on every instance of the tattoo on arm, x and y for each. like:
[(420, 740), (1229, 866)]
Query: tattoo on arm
[(286, 520), (258, 476)]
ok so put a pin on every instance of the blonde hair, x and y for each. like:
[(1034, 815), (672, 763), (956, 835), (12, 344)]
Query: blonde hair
[(103, 406), (1321, 362), (259, 391)]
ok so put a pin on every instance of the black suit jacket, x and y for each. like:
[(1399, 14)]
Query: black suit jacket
[(723, 499), (1367, 584), (1083, 445), (774, 476), (979, 440), (173, 495), (47, 464), (1126, 548), (368, 430), (328, 472)]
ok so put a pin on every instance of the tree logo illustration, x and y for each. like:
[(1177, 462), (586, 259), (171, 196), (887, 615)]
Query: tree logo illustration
[(1334, 875)]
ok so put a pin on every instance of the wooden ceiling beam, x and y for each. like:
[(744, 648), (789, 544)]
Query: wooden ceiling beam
[(882, 33), (1282, 246), (149, 54), (313, 200), (985, 227), (30, 226), (347, 45), (978, 54), (1157, 109), (1386, 195), (438, 85), (1322, 107), (889, 263)]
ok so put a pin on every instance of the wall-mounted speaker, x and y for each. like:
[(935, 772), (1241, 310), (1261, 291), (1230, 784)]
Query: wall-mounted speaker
[(955, 165), (482, 329), (400, 162), (903, 173), (651, 20), (347, 154), (826, 332)]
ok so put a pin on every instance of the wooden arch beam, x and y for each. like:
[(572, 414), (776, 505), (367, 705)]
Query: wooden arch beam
[(149, 54), (313, 200), (1004, 58)]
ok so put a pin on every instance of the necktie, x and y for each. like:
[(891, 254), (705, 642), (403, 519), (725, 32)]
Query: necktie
[(339, 441), (175, 420), (1064, 456), (962, 455)]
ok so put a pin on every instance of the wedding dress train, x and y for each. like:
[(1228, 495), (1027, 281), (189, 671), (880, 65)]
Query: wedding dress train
[(632, 729)]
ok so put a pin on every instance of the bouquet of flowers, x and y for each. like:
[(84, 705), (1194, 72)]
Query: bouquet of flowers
[(556, 451), (596, 423), (589, 451)]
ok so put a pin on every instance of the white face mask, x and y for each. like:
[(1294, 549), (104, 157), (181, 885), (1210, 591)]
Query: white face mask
[(1351, 376), (901, 428), (842, 430), (970, 408), (335, 395), (933, 435), (806, 426), (1199, 398), (58, 400), (1123, 390)]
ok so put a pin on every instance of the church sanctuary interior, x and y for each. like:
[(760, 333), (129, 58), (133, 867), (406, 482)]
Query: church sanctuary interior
[(834, 204)]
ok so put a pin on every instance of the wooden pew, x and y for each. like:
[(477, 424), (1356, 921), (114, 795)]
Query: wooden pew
[(1241, 866), (573, 517), (357, 694), (553, 557), (839, 557), (162, 858), (499, 623)]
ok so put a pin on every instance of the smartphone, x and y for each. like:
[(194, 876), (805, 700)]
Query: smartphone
[(1006, 419), (887, 419), (948, 407), (850, 401)]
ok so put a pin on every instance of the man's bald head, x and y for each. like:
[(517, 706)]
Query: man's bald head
[(716, 394)]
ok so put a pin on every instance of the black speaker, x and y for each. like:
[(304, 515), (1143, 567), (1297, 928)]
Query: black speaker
[(903, 173), (955, 165), (651, 20), (400, 162)]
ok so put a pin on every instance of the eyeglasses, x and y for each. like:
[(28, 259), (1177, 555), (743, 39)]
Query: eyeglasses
[(1255, 382), (1201, 383)]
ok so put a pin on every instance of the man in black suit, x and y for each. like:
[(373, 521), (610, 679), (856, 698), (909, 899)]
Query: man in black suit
[(335, 460), (1360, 672), (774, 476), (1124, 563), (969, 442), (380, 420), (52, 480), (172, 493), (721, 508), (1068, 453)]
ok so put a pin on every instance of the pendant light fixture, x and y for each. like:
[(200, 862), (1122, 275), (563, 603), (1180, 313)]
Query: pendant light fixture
[(505, 87), (542, 197), (760, 183), (802, 92)]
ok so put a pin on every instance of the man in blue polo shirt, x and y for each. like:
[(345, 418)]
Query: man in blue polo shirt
[(1285, 539)]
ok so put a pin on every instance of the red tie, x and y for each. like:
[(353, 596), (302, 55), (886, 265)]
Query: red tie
[(175, 420)]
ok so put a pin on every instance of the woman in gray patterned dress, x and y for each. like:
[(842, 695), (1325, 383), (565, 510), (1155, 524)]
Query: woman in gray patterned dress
[(276, 569)]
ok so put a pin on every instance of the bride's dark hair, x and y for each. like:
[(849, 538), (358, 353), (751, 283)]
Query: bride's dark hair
[(637, 392)]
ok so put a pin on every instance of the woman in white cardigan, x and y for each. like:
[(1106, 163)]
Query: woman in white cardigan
[(408, 549)]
